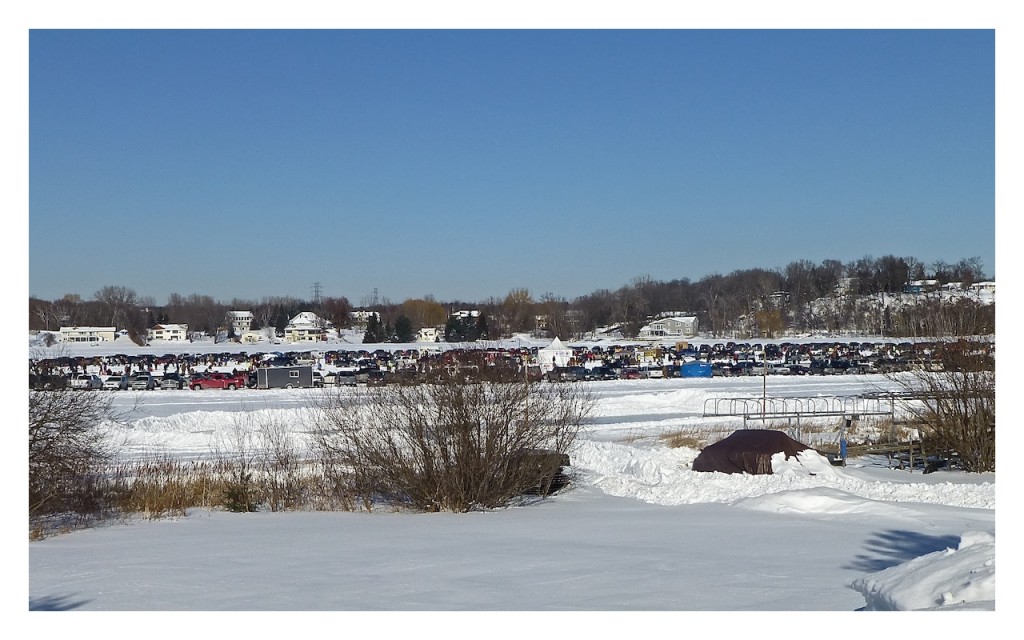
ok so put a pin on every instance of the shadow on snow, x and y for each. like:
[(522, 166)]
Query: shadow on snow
[(54, 603), (890, 548)]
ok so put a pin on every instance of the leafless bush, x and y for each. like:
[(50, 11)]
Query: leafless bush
[(266, 467), (67, 448), (954, 410), (455, 444), (280, 465)]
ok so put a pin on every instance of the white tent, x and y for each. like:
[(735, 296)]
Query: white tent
[(554, 355)]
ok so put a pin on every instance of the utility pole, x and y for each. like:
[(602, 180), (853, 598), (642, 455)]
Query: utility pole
[(316, 293), (764, 386)]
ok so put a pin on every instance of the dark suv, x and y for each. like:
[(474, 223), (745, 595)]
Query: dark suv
[(603, 373)]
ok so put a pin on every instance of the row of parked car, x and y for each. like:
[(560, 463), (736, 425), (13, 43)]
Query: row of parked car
[(745, 368), (218, 380), (749, 368), (578, 374), (149, 382)]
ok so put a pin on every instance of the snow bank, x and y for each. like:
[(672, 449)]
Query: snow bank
[(663, 475), (961, 578)]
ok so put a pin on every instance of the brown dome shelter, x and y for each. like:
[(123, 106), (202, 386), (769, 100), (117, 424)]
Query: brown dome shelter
[(747, 451)]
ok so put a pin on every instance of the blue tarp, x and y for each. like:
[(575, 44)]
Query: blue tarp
[(695, 370)]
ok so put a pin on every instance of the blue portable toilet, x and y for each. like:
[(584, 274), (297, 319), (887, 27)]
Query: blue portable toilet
[(695, 369)]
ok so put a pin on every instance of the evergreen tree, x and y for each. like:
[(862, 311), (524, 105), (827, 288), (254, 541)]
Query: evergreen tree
[(469, 332), (460, 330), (453, 330), (403, 329), (482, 332), (373, 330), (281, 320)]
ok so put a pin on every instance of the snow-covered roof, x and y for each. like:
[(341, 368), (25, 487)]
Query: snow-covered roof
[(170, 327), (305, 319)]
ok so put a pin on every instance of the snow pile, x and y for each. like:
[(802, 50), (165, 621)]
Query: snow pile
[(961, 578), (662, 475), (807, 462), (824, 503)]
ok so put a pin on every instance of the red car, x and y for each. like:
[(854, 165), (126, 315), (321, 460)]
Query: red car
[(217, 380)]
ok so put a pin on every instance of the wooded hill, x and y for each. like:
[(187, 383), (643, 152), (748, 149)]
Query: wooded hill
[(870, 296)]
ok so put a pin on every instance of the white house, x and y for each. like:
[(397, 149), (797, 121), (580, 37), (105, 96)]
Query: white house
[(250, 337), (241, 321), (306, 326), (177, 332), (923, 286), (361, 318), (677, 327), (428, 334), (87, 334)]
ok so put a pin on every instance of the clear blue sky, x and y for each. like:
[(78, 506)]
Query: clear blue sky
[(465, 163)]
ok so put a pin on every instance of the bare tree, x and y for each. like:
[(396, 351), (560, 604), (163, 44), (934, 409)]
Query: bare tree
[(955, 407), (425, 312), (199, 312), (67, 445), (118, 303), (554, 309), (632, 304), (337, 310), (595, 309), (68, 309), (518, 309), (40, 314), (969, 270)]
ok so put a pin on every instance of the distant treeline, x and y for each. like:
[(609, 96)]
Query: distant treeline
[(803, 296)]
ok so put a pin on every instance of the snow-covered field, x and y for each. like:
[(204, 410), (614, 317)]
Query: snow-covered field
[(638, 531)]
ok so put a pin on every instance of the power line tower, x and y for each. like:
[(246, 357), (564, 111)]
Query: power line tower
[(370, 300), (316, 293)]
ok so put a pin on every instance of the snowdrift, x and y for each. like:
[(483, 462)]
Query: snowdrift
[(962, 578)]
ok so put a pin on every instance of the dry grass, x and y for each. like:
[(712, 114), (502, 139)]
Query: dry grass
[(697, 437), (165, 487), (170, 487), (677, 439), (632, 437), (260, 469)]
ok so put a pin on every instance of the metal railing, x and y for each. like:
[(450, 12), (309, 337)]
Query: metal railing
[(811, 407), (797, 412)]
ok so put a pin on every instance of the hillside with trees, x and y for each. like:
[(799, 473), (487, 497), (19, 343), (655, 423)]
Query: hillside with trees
[(871, 296)]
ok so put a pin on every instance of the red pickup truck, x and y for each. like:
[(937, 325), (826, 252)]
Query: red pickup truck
[(217, 380)]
